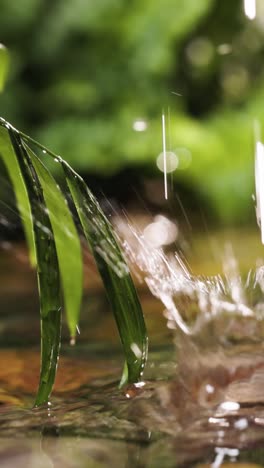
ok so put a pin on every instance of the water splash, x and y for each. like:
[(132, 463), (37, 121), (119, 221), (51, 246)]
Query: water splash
[(218, 321), (192, 301), (221, 453)]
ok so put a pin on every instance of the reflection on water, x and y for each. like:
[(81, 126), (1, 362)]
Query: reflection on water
[(97, 425), (178, 418)]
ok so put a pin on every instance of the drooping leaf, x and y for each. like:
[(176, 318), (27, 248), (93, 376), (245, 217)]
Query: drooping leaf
[(43, 198), (4, 63), (115, 275), (11, 163), (66, 240), (48, 272)]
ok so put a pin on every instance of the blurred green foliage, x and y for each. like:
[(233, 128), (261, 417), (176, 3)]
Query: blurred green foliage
[(83, 72), (4, 62)]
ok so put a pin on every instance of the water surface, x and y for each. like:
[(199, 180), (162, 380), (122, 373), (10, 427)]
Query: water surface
[(90, 422)]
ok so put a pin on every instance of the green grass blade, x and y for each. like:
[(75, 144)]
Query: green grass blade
[(48, 273), (11, 163), (4, 64), (66, 240), (115, 275), (50, 348)]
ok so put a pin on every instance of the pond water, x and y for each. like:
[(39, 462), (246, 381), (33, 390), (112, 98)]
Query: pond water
[(90, 422)]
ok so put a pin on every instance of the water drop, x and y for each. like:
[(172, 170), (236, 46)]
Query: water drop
[(259, 421), (140, 125), (72, 341), (140, 384), (209, 388), (229, 406), (171, 163), (241, 424), (136, 350), (161, 232)]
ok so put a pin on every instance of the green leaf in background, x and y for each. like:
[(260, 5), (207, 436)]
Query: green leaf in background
[(66, 240), (4, 64), (115, 275), (48, 272), (9, 158)]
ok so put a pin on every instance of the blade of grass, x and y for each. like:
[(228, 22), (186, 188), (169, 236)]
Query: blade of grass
[(11, 163), (66, 240), (112, 267), (48, 273), (115, 275)]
